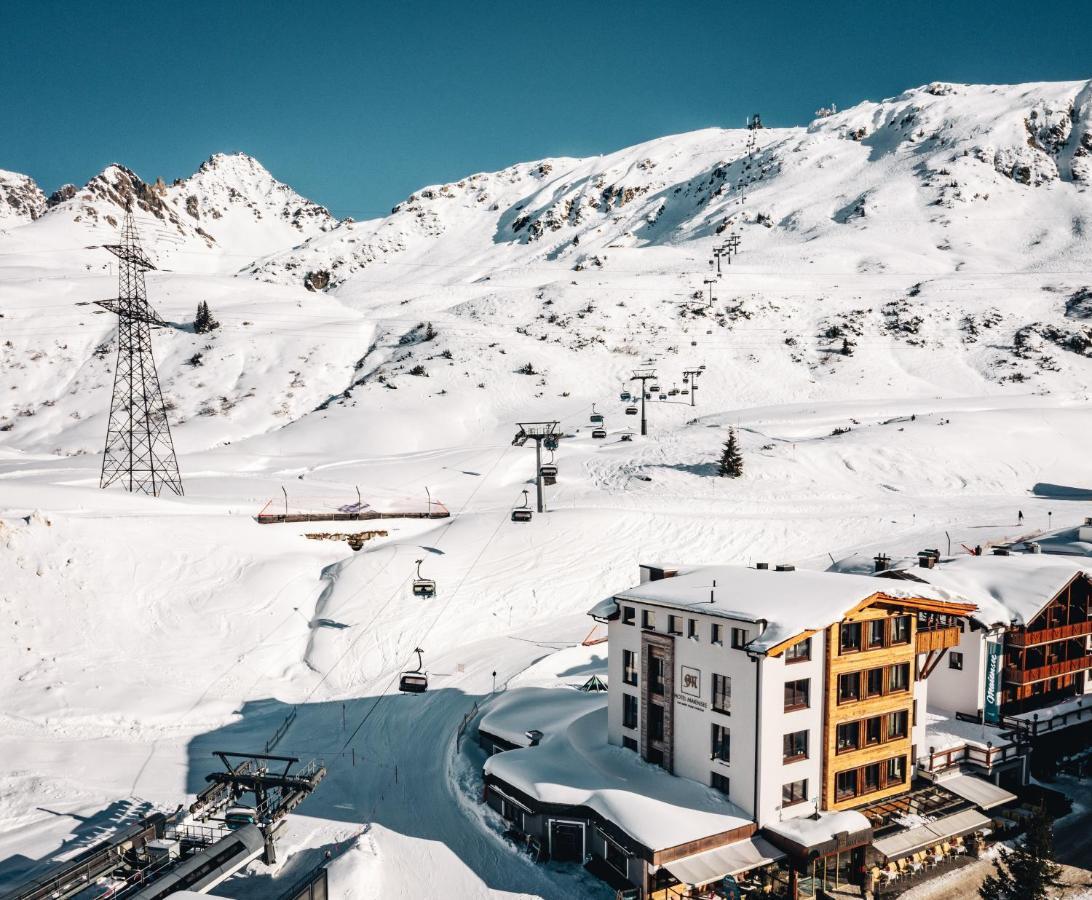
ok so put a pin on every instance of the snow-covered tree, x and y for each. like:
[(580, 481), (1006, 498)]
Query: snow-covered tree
[(731, 460), (1028, 871)]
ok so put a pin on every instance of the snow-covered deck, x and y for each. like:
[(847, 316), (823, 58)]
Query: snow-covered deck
[(575, 766), (817, 831)]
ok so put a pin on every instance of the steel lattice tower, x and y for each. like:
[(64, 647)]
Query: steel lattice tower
[(139, 451)]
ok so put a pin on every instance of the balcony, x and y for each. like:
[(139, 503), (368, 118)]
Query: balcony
[(1047, 635), (1014, 675), (930, 639)]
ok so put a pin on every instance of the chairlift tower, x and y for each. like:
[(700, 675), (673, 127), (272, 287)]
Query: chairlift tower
[(643, 376), (139, 451), (710, 282), (718, 252), (539, 432), (692, 376)]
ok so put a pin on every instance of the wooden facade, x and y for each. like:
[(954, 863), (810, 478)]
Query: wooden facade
[(1048, 660), (879, 763)]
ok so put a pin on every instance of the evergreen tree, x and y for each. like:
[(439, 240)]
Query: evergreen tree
[(204, 322), (1028, 871), (731, 460), (847, 347)]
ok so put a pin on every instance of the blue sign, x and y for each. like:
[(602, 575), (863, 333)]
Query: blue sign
[(992, 705)]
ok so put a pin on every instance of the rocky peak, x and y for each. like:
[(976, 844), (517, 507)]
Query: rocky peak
[(21, 200)]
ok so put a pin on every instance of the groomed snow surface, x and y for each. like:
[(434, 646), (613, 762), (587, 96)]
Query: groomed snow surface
[(140, 635)]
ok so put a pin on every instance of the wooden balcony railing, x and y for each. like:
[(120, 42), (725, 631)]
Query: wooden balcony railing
[(1047, 635), (930, 639), (1014, 675), (952, 757)]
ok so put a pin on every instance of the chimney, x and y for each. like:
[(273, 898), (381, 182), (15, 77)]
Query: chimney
[(1035, 547), (762, 566), (784, 567), (926, 560), (534, 736), (883, 561)]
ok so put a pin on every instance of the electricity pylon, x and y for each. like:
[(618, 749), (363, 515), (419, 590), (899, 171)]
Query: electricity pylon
[(139, 452)]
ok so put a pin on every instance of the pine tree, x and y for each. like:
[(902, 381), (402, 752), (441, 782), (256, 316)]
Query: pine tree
[(731, 460), (1028, 871), (204, 322)]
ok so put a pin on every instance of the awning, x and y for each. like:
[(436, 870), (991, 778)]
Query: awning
[(914, 839), (980, 792), (741, 856)]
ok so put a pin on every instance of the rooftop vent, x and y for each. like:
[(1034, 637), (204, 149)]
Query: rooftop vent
[(762, 565), (785, 567), (1000, 551), (882, 561), (926, 560), (534, 736), (1035, 547)]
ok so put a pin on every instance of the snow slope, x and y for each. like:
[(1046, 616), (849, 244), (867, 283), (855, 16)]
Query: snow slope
[(142, 634)]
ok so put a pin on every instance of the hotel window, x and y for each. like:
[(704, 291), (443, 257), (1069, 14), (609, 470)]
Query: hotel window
[(873, 730), (655, 722), (896, 724), (900, 630), (851, 637), (629, 667), (648, 619), (719, 782), (629, 615), (739, 638), (849, 687), (845, 785), (955, 660), (874, 682), (722, 693), (715, 631), (848, 737), (799, 652), (674, 625), (630, 744), (796, 694), (721, 742), (692, 629), (795, 746), (794, 792), (899, 678), (656, 673), (896, 770), (877, 628), (629, 711), (871, 781)]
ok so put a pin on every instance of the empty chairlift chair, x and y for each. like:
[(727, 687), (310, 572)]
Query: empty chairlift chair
[(423, 587), (522, 513), (548, 472), (625, 396), (414, 681), (599, 434), (596, 418)]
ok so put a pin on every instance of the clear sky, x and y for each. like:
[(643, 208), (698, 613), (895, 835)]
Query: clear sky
[(356, 104)]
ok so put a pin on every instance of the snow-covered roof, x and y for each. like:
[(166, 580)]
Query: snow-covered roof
[(520, 710), (1005, 589), (790, 603), (809, 831), (575, 766)]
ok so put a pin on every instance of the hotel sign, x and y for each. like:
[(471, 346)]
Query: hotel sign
[(992, 706), (690, 682)]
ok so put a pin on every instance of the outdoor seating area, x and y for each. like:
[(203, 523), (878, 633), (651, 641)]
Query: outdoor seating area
[(897, 876)]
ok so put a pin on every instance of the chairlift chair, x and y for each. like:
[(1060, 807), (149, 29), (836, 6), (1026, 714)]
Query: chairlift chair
[(550, 442), (625, 396), (414, 681), (663, 396), (522, 513), (685, 391), (596, 418), (654, 388), (423, 587), (631, 410), (548, 470), (599, 434)]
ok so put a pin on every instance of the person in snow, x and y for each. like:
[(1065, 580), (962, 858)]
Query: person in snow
[(1019, 517)]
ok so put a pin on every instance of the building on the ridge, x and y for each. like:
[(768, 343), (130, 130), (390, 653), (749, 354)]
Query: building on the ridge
[(1024, 659), (796, 696)]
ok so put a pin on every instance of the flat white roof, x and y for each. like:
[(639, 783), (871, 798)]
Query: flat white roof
[(519, 710), (1006, 589), (575, 766), (788, 602)]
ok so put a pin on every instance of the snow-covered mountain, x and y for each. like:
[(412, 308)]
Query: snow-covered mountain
[(21, 200)]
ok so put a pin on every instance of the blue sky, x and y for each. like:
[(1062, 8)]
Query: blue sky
[(356, 104)]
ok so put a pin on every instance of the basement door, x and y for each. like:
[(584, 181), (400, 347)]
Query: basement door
[(566, 841)]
